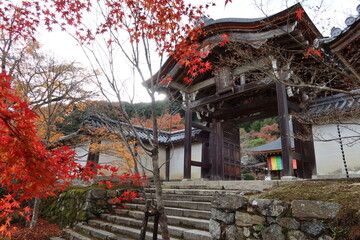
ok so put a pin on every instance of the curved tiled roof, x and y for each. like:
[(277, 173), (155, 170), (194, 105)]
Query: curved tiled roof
[(336, 104), (272, 147), (94, 121)]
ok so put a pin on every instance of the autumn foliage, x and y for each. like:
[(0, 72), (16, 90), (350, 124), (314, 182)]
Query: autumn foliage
[(166, 122), (27, 168), (268, 132)]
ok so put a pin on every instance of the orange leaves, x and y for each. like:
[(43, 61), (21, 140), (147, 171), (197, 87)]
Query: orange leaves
[(313, 52), (299, 13), (166, 122), (268, 132)]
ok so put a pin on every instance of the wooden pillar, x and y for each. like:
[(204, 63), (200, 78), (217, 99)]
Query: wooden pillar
[(305, 146), (219, 150), (205, 171), (283, 112), (215, 151), (167, 163), (187, 146), (309, 151), (299, 146)]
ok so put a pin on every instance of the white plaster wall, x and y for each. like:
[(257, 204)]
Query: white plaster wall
[(108, 159), (329, 159), (177, 161), (146, 163), (81, 153)]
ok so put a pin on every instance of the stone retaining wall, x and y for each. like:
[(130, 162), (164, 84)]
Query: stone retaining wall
[(77, 205), (235, 217)]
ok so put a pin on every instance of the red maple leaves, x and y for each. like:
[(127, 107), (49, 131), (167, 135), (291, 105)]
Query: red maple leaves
[(299, 13), (313, 52), (27, 168)]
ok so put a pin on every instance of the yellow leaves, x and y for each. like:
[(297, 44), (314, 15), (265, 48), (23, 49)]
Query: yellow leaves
[(123, 158)]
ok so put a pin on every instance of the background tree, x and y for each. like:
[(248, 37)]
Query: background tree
[(144, 33), (52, 89)]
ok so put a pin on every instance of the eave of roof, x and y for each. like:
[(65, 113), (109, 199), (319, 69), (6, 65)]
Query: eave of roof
[(214, 27), (272, 147), (95, 122), (338, 104)]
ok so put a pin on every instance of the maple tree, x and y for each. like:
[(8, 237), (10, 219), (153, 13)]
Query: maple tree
[(21, 150), (268, 132)]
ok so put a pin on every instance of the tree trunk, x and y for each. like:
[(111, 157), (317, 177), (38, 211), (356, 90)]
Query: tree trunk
[(159, 197), (35, 214)]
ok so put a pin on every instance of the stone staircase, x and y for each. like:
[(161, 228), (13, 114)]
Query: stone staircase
[(187, 206)]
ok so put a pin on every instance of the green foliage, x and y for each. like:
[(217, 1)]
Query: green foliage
[(255, 142), (257, 125), (248, 176)]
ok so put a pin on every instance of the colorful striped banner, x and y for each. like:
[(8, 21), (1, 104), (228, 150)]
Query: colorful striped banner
[(275, 163)]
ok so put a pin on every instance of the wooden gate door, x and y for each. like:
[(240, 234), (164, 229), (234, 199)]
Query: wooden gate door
[(231, 152)]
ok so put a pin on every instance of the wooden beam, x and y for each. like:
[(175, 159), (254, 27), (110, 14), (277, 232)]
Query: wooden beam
[(199, 126), (293, 106), (283, 111), (260, 63), (263, 115), (201, 164), (178, 86), (238, 90), (348, 66), (255, 38), (266, 104), (202, 85)]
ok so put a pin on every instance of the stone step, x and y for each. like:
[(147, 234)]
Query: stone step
[(203, 206), (175, 231), (249, 185), (195, 198), (131, 233), (70, 234), (193, 192), (97, 233), (57, 238), (134, 219), (188, 205), (201, 214)]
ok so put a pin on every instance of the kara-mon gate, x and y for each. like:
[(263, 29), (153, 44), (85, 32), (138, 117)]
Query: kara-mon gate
[(245, 85)]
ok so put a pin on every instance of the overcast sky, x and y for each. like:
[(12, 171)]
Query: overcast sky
[(325, 14)]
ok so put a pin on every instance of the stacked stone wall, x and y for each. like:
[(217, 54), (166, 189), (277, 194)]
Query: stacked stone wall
[(235, 217), (77, 205)]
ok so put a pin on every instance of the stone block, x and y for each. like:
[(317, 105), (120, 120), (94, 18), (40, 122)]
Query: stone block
[(225, 217), (214, 229), (314, 209), (313, 228), (230, 202), (270, 207), (326, 237), (246, 232), (98, 193), (273, 232), (248, 220), (289, 223), (232, 233), (296, 235)]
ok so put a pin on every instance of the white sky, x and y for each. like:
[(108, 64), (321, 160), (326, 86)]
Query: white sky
[(332, 13)]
